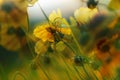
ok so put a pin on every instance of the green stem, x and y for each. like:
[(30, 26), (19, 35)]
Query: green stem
[(67, 66), (69, 47), (29, 45), (44, 13), (78, 73), (76, 42), (80, 51), (85, 71), (94, 73), (95, 76), (68, 75), (44, 71)]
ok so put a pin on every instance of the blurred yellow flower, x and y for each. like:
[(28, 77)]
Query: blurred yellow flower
[(46, 32), (114, 4), (84, 14), (1, 1)]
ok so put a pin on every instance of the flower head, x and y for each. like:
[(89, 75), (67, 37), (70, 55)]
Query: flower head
[(47, 32), (42, 33), (84, 14)]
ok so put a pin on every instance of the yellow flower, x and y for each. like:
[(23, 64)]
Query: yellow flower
[(84, 14), (42, 33), (45, 32)]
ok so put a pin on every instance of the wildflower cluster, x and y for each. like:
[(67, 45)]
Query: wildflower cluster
[(91, 32)]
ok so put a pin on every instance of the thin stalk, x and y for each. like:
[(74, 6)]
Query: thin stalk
[(29, 45), (66, 63), (67, 66), (69, 47), (85, 71), (78, 73), (100, 73), (44, 13), (76, 42), (28, 22), (44, 72), (68, 75), (95, 75)]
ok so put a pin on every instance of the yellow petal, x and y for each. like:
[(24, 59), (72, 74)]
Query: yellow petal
[(41, 33), (65, 31), (55, 15), (65, 22), (38, 31), (73, 21), (59, 13)]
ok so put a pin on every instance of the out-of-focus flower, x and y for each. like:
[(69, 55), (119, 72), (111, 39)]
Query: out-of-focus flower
[(114, 4), (47, 32), (84, 14), (1, 1), (14, 24), (92, 4)]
